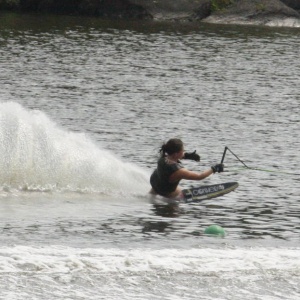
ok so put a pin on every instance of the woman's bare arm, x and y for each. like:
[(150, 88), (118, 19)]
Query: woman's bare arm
[(189, 175)]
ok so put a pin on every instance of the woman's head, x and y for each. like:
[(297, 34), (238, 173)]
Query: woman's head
[(171, 147)]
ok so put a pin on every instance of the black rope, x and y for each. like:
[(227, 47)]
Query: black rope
[(256, 169)]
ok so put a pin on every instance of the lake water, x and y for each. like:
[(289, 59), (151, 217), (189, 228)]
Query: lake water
[(86, 104)]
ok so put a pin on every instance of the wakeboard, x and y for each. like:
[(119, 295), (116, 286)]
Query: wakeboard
[(200, 193)]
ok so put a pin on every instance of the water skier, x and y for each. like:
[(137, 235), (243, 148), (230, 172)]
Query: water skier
[(166, 177)]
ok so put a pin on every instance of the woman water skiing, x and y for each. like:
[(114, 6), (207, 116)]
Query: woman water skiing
[(166, 177)]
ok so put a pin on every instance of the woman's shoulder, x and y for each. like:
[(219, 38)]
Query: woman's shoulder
[(169, 164), (175, 165)]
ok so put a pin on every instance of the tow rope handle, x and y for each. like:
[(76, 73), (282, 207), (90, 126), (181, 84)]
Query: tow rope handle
[(224, 153), (257, 169)]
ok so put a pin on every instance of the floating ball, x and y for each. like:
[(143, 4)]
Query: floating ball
[(215, 230)]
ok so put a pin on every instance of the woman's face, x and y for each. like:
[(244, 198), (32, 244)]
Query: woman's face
[(180, 154)]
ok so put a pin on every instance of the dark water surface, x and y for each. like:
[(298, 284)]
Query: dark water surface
[(85, 105)]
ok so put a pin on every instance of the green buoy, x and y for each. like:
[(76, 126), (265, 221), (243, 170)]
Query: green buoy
[(215, 230)]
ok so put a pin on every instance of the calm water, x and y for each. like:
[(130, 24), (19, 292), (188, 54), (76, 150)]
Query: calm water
[(84, 107)]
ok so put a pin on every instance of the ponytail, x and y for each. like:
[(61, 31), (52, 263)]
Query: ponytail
[(163, 150)]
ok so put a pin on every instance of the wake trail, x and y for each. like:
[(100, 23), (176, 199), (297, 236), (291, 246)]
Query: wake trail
[(36, 154)]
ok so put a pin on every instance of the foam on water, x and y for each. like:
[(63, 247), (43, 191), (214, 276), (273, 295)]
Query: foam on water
[(208, 273), (287, 22), (67, 259), (36, 154)]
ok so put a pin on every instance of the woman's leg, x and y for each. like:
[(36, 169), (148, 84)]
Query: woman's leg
[(176, 194)]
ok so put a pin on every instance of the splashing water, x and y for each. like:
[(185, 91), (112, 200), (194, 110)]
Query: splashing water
[(36, 154)]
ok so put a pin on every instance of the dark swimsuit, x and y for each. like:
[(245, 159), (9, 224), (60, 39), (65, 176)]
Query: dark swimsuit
[(160, 177)]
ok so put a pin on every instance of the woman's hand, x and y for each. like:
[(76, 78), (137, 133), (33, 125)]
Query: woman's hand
[(192, 156), (218, 168)]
